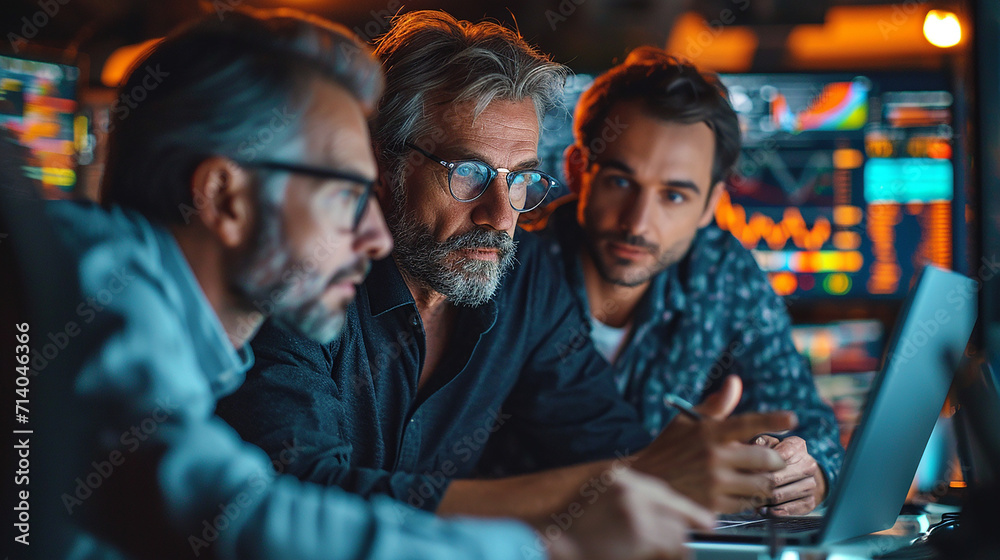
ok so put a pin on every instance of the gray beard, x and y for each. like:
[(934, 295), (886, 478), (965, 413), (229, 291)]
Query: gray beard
[(433, 264), (275, 286)]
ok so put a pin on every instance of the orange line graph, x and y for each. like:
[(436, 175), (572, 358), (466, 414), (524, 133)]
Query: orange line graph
[(733, 218)]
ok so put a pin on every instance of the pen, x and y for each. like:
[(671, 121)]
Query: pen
[(772, 535), (682, 406), (687, 409)]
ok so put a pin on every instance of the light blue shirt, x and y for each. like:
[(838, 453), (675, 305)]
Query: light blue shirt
[(153, 386)]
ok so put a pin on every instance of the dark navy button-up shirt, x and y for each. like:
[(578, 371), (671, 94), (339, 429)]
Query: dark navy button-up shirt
[(710, 315), (523, 362), (185, 485)]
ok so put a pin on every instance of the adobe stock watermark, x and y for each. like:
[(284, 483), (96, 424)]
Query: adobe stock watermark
[(377, 25), (379, 22), (228, 512), (223, 7), (588, 494), (87, 311), (262, 138), (129, 100), (466, 449), (298, 274), (564, 10), (958, 298), (703, 39), (33, 24), (901, 13), (131, 440), (248, 151)]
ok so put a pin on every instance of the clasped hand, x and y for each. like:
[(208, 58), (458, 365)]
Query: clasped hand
[(730, 464)]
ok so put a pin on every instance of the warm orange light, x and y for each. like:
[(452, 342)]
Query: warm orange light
[(853, 35), (118, 64), (942, 28), (716, 45), (846, 215), (784, 283), (939, 150), (847, 240), (848, 158)]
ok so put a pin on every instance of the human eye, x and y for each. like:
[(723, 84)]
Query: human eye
[(674, 197), (340, 195), (466, 170), (615, 181)]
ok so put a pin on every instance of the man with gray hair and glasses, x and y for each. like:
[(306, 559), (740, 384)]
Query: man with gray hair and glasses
[(205, 221), (453, 337)]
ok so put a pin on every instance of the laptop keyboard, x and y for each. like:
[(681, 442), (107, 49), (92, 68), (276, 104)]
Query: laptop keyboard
[(784, 525)]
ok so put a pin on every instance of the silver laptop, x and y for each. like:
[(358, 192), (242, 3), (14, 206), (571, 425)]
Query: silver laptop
[(906, 397)]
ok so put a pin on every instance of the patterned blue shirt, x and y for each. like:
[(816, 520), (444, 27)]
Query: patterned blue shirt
[(710, 315)]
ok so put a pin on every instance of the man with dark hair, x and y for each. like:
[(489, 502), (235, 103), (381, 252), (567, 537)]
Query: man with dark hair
[(679, 307), (211, 225), (453, 337)]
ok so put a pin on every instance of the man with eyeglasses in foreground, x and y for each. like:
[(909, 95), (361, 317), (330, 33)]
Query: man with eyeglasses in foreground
[(205, 222), (454, 338)]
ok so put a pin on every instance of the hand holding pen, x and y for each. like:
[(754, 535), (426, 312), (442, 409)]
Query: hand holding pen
[(704, 455)]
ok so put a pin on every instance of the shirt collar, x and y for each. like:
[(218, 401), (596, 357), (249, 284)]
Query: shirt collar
[(385, 287), (223, 366), (386, 290)]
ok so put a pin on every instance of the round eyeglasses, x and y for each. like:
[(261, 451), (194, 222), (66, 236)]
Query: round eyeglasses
[(468, 179), (348, 204)]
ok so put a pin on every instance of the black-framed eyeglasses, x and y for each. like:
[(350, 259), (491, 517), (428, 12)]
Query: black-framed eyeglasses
[(468, 179), (350, 203)]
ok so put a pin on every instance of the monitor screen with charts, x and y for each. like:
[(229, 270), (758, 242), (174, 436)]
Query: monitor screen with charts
[(38, 105)]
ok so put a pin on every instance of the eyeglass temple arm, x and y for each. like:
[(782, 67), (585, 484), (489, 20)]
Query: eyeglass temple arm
[(429, 155)]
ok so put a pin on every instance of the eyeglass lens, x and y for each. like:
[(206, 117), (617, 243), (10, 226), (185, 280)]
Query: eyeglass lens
[(527, 188)]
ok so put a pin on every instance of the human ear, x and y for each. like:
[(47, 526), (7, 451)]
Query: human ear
[(713, 202), (575, 165), (224, 198)]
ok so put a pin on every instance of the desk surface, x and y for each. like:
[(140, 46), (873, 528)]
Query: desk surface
[(901, 534)]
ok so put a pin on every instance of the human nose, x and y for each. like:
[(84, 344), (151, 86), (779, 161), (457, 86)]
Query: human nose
[(372, 237), (638, 214), (493, 208)]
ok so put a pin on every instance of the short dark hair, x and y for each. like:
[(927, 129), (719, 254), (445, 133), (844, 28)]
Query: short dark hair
[(669, 89), (217, 88)]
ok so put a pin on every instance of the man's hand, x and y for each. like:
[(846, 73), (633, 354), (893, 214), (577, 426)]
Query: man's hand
[(710, 462), (636, 517), (801, 485)]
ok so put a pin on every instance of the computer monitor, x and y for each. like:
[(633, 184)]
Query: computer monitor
[(38, 105), (846, 185)]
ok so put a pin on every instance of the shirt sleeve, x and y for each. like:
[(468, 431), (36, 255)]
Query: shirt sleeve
[(776, 377), (170, 479), (291, 407)]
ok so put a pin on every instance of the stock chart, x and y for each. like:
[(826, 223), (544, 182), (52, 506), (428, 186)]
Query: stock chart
[(846, 182)]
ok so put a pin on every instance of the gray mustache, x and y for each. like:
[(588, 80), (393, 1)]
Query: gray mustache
[(480, 238)]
